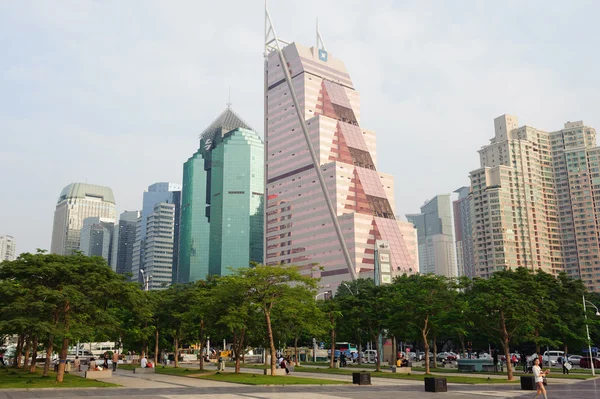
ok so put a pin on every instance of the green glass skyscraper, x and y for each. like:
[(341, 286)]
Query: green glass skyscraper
[(222, 201)]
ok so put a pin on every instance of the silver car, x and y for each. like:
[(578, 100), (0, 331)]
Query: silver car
[(574, 359)]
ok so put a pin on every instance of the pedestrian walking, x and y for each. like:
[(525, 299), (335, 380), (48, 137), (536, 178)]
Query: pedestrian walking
[(165, 358), (2, 359), (539, 376), (524, 362), (115, 360), (77, 363)]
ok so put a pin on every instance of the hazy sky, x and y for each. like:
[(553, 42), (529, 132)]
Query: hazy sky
[(117, 91)]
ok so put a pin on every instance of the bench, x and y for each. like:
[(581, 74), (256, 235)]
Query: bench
[(144, 370), (277, 372), (98, 374)]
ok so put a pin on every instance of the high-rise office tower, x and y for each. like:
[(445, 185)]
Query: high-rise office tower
[(533, 201), (77, 202), (435, 231), (411, 239), (97, 238), (158, 193), (8, 248), (126, 231), (463, 232), (222, 201), (299, 225)]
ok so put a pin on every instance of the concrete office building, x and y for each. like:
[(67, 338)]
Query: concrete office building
[(222, 201), (157, 194), (463, 232), (126, 231), (299, 227), (533, 201), (77, 202), (97, 238), (435, 232), (8, 248)]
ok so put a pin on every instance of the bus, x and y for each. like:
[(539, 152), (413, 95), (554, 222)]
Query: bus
[(345, 347)]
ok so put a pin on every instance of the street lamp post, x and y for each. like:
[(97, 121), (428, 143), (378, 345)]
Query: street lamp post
[(587, 328)]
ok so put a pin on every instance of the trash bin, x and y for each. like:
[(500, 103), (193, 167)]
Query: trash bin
[(434, 384), (362, 378), (336, 364), (528, 383)]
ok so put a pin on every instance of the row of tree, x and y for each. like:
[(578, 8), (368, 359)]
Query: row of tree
[(512, 309), (51, 301)]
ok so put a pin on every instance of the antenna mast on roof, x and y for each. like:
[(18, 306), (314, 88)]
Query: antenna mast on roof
[(229, 98), (320, 42)]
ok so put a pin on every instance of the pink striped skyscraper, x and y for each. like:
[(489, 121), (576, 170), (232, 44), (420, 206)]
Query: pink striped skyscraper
[(299, 229)]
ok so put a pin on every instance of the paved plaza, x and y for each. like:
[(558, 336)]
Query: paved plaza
[(160, 386)]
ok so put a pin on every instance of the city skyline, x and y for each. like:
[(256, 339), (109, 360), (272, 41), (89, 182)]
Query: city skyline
[(434, 96)]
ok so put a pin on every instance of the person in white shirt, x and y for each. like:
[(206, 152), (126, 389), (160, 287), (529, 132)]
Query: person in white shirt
[(144, 363), (539, 375)]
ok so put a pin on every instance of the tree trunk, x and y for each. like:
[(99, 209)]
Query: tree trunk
[(296, 350), (19, 350), (425, 332), (435, 365), (34, 346), (271, 340), (49, 345), (505, 344), (63, 359), (394, 351), (462, 345), (378, 352), (156, 347), (176, 351), (27, 351), (359, 352), (202, 343)]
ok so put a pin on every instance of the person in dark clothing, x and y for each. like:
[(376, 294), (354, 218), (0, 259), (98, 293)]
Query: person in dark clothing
[(524, 362), (495, 360)]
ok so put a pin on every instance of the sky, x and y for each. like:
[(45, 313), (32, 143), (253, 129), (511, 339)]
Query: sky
[(116, 92)]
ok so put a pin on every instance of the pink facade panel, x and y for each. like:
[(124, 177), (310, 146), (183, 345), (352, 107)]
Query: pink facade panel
[(354, 136), (371, 183)]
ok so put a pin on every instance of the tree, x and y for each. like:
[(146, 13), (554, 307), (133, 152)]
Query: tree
[(420, 302), (76, 291), (272, 285), (500, 306)]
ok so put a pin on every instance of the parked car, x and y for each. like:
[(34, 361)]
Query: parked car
[(551, 357), (574, 359), (585, 363)]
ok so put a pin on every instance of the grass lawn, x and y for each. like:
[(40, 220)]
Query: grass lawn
[(256, 379), (17, 378), (519, 372), (416, 377), (167, 370)]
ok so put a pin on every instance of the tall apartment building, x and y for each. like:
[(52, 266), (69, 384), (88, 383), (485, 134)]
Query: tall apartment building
[(463, 232), (435, 232), (299, 227), (222, 201), (157, 194), (97, 238), (77, 202), (158, 246), (8, 248), (533, 201), (126, 231)]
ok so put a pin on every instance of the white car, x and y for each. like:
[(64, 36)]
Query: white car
[(574, 359)]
